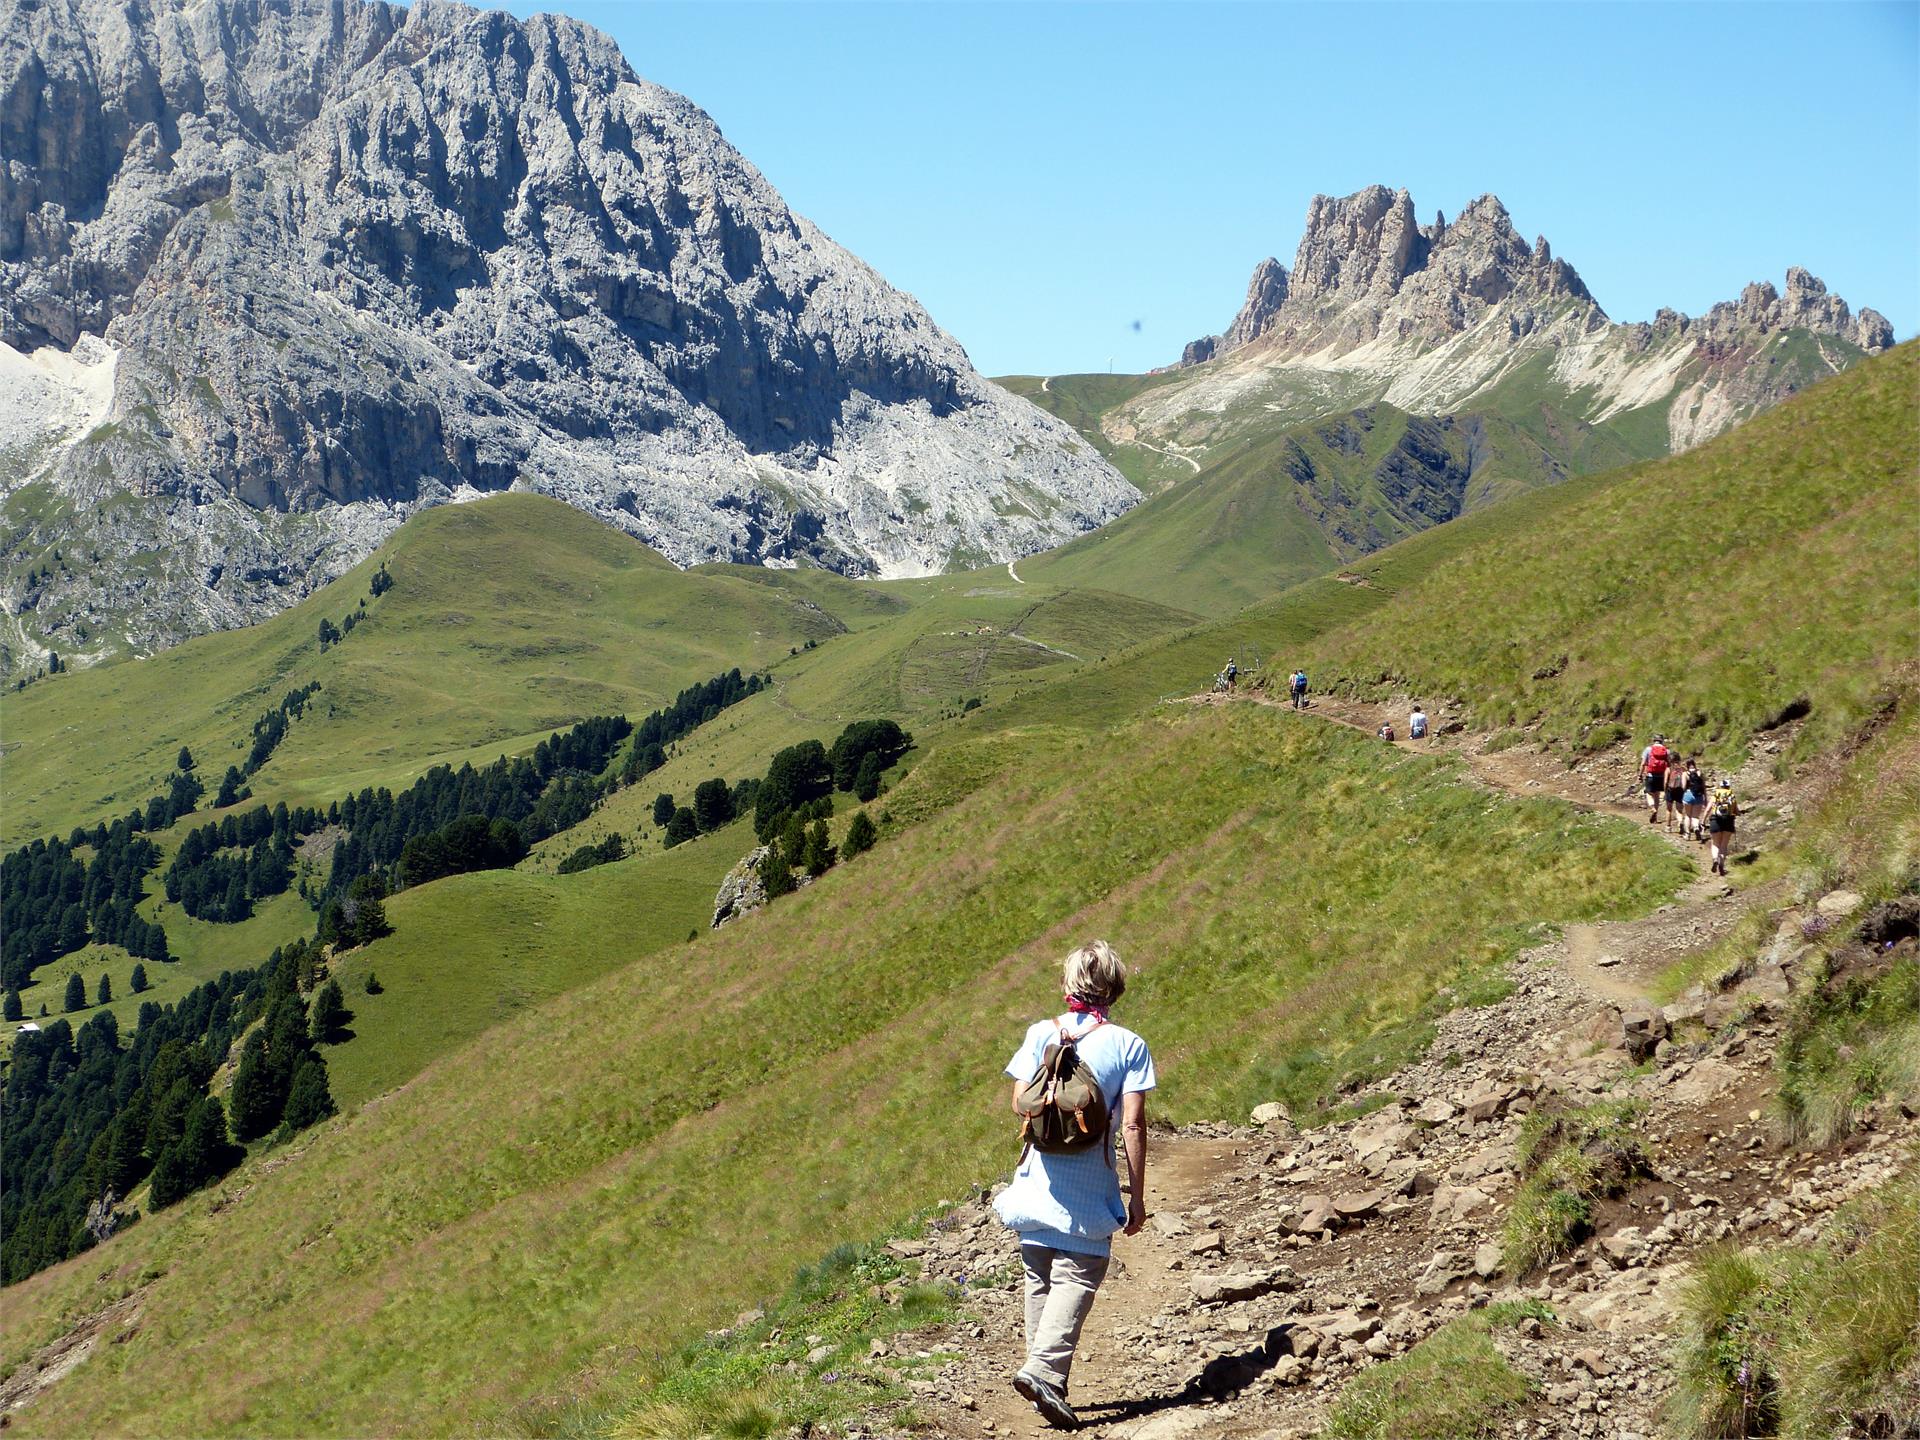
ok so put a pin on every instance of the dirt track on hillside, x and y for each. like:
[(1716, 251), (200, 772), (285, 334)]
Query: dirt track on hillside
[(1159, 1361)]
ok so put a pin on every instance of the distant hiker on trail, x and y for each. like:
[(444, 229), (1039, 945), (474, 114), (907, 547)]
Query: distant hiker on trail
[(1071, 1078), (1676, 790), (1297, 687), (1417, 723), (1385, 732), (1653, 770), (1693, 799), (1232, 672), (1720, 817)]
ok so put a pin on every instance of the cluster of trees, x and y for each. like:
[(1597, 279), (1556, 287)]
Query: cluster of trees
[(271, 728), (360, 915), (715, 803), (587, 856), (536, 795), (805, 773), (52, 903), (472, 842), (223, 867), (282, 1080), (691, 708), (381, 582), (86, 1115)]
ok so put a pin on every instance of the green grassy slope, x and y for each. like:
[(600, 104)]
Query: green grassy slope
[(1795, 580), (578, 1182), (1082, 400), (507, 618), (474, 951)]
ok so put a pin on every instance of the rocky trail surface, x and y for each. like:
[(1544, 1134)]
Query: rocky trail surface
[(1279, 1263)]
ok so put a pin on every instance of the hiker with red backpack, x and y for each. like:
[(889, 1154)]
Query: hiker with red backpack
[(1073, 1077), (1654, 761)]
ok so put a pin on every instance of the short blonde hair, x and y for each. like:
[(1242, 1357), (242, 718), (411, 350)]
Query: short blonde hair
[(1095, 975)]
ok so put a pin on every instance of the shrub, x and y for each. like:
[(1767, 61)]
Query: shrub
[(861, 836)]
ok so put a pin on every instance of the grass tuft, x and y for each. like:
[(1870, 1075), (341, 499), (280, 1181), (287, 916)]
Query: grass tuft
[(1454, 1385), (1571, 1157), (1806, 1342)]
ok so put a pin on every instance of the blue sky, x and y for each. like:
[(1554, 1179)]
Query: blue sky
[(1071, 185)]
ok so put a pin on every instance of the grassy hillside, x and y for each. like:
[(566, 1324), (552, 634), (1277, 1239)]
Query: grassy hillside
[(507, 619), (567, 1191), (1794, 582), (1084, 400)]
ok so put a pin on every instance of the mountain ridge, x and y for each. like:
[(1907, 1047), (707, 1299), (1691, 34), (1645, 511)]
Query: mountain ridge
[(338, 261)]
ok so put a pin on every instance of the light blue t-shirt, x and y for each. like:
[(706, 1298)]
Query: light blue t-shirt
[(1072, 1202)]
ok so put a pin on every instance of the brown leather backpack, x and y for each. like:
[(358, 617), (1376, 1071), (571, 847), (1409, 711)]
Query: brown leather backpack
[(1061, 1108)]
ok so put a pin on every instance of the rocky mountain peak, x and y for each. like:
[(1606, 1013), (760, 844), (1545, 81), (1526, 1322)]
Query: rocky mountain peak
[(1366, 271), (351, 259)]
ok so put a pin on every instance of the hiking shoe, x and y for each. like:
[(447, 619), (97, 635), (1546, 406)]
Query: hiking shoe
[(1051, 1404)]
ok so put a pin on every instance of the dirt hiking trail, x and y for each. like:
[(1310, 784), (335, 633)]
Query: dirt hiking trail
[(1278, 1264)]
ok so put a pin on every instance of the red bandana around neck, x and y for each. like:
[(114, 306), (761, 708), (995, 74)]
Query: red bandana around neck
[(1081, 1007)]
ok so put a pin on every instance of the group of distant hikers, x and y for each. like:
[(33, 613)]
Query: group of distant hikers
[(1703, 811)]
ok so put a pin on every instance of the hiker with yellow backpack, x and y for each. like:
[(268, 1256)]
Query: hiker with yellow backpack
[(1721, 813), (1071, 1077)]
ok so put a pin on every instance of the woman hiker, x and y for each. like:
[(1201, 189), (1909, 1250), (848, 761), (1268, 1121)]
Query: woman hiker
[(1065, 1206), (1676, 791), (1693, 800), (1720, 827)]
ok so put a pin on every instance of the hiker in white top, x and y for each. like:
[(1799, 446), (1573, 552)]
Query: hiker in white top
[(1417, 723), (1065, 1204)]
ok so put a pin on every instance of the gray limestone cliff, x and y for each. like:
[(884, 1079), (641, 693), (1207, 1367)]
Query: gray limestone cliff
[(283, 271)]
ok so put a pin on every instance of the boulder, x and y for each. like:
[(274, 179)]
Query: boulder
[(1435, 1112), (1236, 1285), (1271, 1113), (1359, 1204), (1838, 904), (1489, 1103), (743, 889), (1640, 1031)]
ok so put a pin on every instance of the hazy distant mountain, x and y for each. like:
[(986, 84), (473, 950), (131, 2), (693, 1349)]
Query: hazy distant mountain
[(274, 273)]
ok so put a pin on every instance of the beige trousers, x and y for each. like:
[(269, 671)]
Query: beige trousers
[(1060, 1290)]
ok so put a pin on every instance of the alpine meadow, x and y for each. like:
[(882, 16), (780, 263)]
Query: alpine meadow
[(558, 733)]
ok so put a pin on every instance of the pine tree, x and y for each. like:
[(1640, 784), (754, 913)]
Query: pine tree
[(818, 856), (866, 780), (106, 990), (257, 1097), (169, 1180), (330, 1014), (185, 762), (309, 1101), (373, 985), (138, 981), (11, 1008), (776, 874), (793, 837), (712, 804), (124, 1160), (663, 808), (681, 828), (861, 836), (76, 993), (205, 1151)]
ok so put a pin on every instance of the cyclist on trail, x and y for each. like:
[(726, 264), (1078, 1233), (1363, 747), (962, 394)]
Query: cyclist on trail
[(1676, 790), (1417, 723), (1693, 799), (1653, 771), (1720, 817), (1297, 686)]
